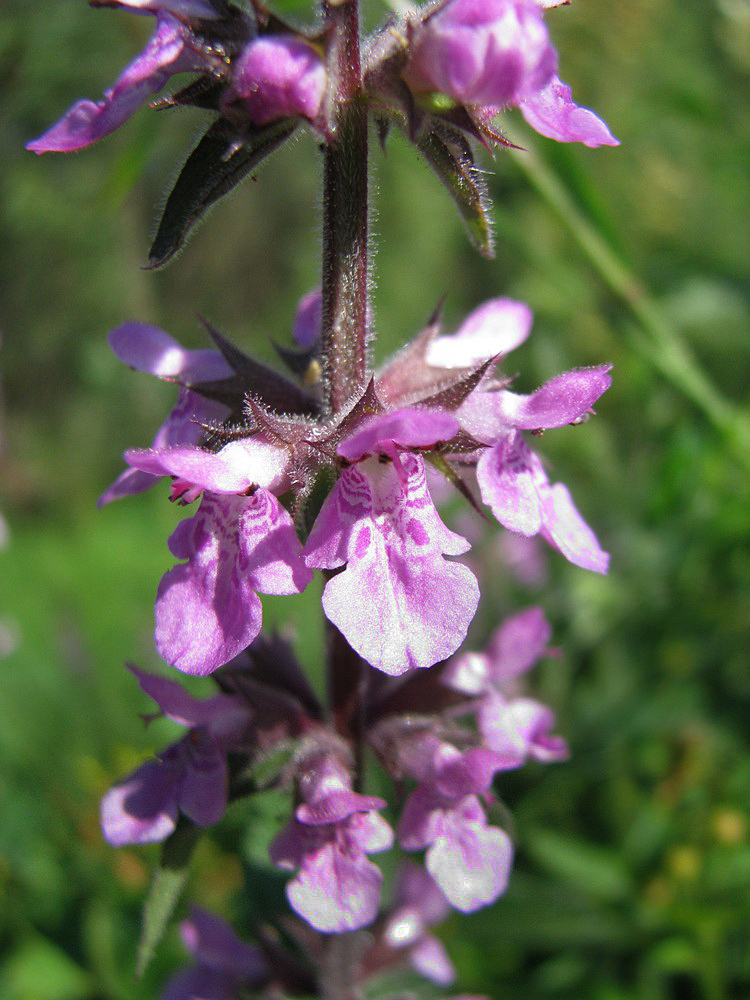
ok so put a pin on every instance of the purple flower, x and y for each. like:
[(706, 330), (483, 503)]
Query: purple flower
[(468, 859), (151, 350), (278, 76), (510, 724), (189, 777), (224, 965), (336, 887), (419, 903), (207, 609), (494, 54), (483, 52), (511, 478), (398, 602), (172, 49)]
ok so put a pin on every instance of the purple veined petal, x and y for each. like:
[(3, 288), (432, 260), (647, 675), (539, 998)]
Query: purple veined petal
[(308, 320), (238, 467), (143, 809), (202, 10), (336, 890), (203, 794), (201, 981), (422, 819), (430, 959), (335, 807), (293, 841), (87, 121), (279, 76), (149, 349), (517, 644), (565, 529), (399, 430), (560, 401), (496, 327), (399, 603), (471, 864), (207, 610), (552, 113), (507, 476), (213, 942)]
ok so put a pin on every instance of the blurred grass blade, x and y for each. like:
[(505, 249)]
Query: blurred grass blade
[(166, 886), (656, 338)]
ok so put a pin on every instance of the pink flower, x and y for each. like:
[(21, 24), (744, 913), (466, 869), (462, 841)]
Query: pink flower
[(398, 602), (224, 965), (207, 609), (511, 478), (510, 724), (468, 859), (189, 777), (495, 54), (336, 887), (483, 52)]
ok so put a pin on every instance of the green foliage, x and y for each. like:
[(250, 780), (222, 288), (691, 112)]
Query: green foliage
[(633, 872)]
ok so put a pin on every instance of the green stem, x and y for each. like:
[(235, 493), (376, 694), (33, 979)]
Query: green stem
[(658, 339), (345, 218)]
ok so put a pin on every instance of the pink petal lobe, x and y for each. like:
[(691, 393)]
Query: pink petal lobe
[(390, 601), (567, 531), (506, 475), (149, 349), (517, 644), (552, 113), (496, 327), (206, 608), (402, 429), (87, 121), (472, 865), (560, 401)]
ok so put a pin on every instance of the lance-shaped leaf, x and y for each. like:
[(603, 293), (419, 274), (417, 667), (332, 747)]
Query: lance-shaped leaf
[(167, 884), (217, 164), (450, 156)]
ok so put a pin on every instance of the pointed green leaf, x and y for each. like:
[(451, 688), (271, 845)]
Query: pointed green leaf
[(166, 886), (449, 154), (217, 164)]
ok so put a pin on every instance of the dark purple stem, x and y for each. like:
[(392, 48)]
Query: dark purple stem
[(345, 220)]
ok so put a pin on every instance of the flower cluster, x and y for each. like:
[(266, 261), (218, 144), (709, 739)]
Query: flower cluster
[(391, 592), (473, 725)]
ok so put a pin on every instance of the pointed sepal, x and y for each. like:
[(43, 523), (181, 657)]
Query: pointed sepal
[(449, 154)]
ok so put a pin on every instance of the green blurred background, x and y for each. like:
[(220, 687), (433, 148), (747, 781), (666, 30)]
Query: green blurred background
[(633, 871)]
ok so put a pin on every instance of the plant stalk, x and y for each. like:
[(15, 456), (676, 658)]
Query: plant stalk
[(345, 217)]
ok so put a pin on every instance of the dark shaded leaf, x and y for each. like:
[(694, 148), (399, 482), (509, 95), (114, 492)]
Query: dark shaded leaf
[(449, 154), (217, 164)]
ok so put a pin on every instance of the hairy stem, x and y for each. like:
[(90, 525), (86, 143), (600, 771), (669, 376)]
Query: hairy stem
[(345, 220)]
